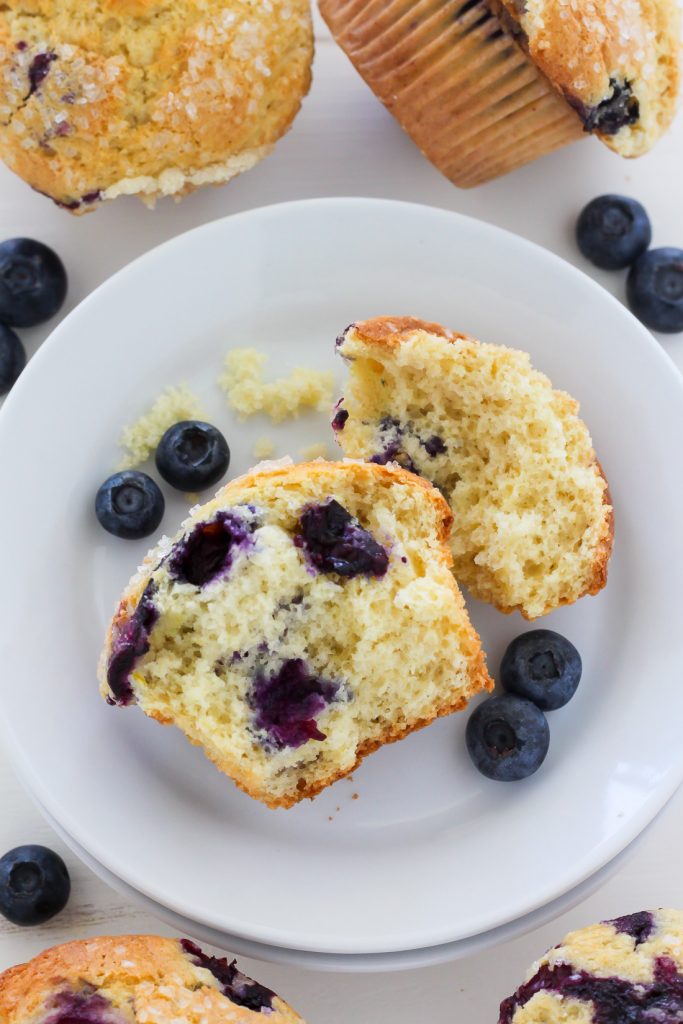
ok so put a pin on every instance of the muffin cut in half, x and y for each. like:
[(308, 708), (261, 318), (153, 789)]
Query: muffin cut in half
[(485, 86), (533, 523), (629, 969), (299, 620), (126, 979)]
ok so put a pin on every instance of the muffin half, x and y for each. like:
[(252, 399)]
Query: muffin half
[(532, 515), (298, 621)]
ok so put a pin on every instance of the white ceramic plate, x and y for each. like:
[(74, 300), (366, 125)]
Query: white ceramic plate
[(430, 852), (359, 963)]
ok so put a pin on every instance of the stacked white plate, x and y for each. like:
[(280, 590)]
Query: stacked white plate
[(418, 858)]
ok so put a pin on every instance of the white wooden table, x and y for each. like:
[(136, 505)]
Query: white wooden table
[(344, 143)]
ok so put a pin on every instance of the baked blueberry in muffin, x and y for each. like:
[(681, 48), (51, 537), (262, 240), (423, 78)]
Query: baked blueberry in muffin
[(298, 621), (629, 969), (135, 979)]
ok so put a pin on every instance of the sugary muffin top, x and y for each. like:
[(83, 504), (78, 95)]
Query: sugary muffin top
[(615, 61), (106, 97), (135, 979), (629, 968)]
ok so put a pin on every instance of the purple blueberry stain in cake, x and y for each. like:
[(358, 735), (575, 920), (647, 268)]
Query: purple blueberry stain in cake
[(341, 338), (22, 45), (88, 199), (286, 704), (620, 109), (69, 97), (335, 542), (130, 641), (84, 1006), (434, 446), (209, 550), (614, 1000), (639, 926), (340, 417), (390, 440), (38, 70), (237, 987)]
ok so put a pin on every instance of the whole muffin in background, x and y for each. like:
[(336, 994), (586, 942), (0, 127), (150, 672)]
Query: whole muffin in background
[(625, 971), (484, 86), (135, 979), (102, 98)]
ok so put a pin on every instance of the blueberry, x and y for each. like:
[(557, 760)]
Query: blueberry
[(34, 885), (12, 358), (287, 704), (236, 986), (654, 289), (507, 738), (32, 282), (613, 231), (192, 455), (542, 666), (129, 505), (336, 542)]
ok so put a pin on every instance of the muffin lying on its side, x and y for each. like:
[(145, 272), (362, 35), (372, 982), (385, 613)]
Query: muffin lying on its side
[(299, 620), (135, 979), (485, 86), (102, 98), (532, 515), (625, 971)]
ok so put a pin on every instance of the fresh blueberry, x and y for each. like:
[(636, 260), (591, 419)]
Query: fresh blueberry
[(507, 738), (192, 455), (654, 289), (542, 666), (613, 231), (129, 505), (34, 885), (12, 358), (32, 282)]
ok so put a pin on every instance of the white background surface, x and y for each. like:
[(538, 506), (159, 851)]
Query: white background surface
[(345, 143)]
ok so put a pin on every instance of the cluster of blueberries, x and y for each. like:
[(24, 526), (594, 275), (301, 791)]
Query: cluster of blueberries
[(33, 287), (191, 456), (614, 232), (508, 735)]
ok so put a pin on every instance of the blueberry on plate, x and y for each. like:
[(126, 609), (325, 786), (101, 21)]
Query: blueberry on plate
[(542, 666), (34, 885), (32, 282), (12, 358), (654, 289), (613, 231), (129, 505), (192, 455), (507, 738)]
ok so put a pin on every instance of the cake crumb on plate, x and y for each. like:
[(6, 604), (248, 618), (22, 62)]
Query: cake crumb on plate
[(248, 393)]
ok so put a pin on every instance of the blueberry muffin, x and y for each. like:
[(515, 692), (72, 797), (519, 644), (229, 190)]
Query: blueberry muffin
[(102, 98), (532, 514), (484, 86), (135, 979), (299, 620), (625, 971)]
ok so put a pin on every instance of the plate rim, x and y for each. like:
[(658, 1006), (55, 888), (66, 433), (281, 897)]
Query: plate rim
[(608, 849)]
